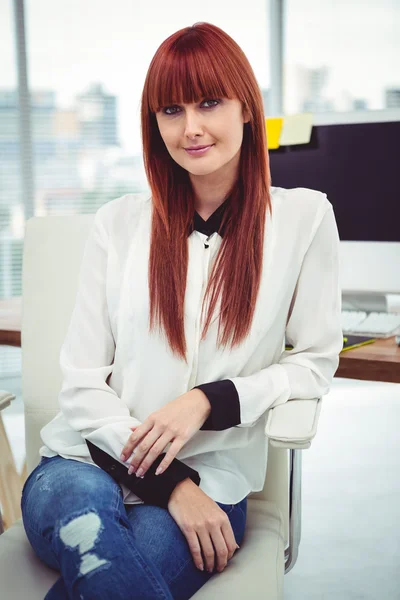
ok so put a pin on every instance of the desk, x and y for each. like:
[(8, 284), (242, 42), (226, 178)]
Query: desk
[(379, 361), (10, 321)]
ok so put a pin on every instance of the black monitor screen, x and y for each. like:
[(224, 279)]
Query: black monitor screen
[(358, 166)]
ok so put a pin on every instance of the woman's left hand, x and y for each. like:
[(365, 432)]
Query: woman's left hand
[(175, 422)]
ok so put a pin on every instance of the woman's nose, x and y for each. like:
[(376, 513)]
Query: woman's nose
[(193, 125)]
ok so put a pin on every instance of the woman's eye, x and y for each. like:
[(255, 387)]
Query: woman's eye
[(167, 108), (211, 100)]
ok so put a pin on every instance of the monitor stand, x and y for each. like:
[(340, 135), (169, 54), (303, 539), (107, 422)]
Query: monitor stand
[(367, 301)]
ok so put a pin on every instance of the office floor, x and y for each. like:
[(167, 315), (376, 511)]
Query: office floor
[(350, 543)]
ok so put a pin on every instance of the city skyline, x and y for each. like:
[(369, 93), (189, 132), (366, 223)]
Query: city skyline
[(53, 58)]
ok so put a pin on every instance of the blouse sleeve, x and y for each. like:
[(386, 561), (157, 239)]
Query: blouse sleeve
[(88, 403)]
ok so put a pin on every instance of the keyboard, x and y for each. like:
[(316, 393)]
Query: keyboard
[(372, 324)]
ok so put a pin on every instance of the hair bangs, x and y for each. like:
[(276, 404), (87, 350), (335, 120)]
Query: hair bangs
[(188, 77)]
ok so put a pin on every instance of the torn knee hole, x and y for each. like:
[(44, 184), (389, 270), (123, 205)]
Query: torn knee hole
[(81, 533)]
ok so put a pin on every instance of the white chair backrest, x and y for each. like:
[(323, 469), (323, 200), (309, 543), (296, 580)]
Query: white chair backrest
[(53, 250)]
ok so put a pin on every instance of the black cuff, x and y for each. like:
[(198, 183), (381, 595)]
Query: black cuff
[(152, 489), (225, 405)]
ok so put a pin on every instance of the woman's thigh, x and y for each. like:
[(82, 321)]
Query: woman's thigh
[(60, 490), (158, 537)]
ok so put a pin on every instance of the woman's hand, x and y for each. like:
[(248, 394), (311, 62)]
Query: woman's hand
[(200, 518), (175, 422)]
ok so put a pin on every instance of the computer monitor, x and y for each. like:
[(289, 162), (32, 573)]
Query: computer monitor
[(357, 165)]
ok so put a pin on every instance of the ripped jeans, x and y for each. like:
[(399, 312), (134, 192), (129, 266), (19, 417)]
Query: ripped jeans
[(76, 522)]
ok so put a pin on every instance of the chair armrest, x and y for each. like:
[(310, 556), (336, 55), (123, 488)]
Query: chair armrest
[(294, 423), (5, 399)]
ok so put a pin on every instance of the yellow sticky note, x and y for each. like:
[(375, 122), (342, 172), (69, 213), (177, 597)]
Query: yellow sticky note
[(296, 129), (274, 128)]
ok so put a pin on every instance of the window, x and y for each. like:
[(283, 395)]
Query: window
[(70, 139), (341, 56)]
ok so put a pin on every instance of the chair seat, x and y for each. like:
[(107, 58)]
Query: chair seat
[(255, 571)]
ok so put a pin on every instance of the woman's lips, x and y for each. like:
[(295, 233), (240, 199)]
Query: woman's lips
[(199, 152)]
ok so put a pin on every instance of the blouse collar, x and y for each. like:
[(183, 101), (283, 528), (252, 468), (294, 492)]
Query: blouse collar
[(213, 222)]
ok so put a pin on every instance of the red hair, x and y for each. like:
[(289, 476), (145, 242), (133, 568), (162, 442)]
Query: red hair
[(199, 62)]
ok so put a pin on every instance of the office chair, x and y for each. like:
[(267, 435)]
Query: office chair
[(53, 249)]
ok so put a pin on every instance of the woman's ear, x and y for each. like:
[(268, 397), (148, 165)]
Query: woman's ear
[(246, 114)]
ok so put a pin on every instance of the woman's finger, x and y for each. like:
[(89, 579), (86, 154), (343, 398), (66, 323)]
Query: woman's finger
[(141, 451), (221, 549), (194, 546), (134, 438), (157, 448), (173, 450), (229, 536), (207, 548)]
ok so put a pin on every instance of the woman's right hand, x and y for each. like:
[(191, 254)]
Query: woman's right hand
[(200, 518)]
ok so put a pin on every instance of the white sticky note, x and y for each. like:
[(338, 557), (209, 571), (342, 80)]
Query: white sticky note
[(296, 129)]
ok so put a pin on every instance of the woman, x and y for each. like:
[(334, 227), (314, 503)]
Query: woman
[(263, 264)]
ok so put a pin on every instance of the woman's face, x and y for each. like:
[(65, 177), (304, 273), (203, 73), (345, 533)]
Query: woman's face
[(215, 122)]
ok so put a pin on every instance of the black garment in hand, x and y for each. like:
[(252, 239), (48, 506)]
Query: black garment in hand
[(152, 489)]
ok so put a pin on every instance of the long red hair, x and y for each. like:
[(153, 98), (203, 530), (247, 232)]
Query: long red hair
[(202, 61)]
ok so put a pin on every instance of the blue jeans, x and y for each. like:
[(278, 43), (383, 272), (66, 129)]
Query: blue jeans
[(76, 522)]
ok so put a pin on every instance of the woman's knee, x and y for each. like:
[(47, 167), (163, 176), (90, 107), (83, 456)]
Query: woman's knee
[(68, 504), (61, 488)]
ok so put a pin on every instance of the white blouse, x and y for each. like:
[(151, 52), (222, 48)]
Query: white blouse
[(116, 373)]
